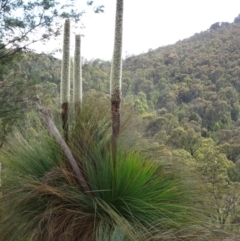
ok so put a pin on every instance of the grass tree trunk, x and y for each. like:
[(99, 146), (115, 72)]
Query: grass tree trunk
[(77, 76), (116, 77), (65, 78)]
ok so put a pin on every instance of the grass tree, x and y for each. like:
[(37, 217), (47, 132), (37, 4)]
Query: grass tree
[(132, 198), (77, 76), (65, 78), (116, 76)]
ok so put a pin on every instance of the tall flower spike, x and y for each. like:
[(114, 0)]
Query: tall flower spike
[(77, 77), (116, 76), (65, 78)]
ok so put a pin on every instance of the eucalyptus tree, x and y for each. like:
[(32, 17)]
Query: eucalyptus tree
[(25, 22)]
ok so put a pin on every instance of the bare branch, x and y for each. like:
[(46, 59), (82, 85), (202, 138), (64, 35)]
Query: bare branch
[(54, 131)]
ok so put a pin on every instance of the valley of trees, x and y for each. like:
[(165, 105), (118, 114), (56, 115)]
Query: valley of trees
[(185, 102)]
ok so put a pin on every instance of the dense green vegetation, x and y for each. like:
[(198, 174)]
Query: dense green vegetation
[(21, 79), (186, 100), (190, 88)]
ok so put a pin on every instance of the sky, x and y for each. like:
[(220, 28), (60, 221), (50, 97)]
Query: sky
[(149, 24)]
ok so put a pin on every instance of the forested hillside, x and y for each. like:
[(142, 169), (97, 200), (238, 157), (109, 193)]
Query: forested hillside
[(186, 97), (194, 82), (22, 77), (191, 85)]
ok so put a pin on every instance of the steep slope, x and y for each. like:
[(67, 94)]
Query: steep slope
[(197, 75), (195, 80)]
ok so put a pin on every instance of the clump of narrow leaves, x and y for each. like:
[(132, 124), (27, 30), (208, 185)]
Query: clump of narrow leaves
[(132, 197)]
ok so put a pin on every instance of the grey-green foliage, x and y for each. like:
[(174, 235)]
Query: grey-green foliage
[(106, 232), (25, 22)]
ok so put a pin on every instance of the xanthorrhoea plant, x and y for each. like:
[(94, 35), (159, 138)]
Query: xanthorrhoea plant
[(65, 78), (77, 77), (135, 198), (116, 75)]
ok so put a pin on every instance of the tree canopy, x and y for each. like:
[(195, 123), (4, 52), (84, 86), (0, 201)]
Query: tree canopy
[(25, 22)]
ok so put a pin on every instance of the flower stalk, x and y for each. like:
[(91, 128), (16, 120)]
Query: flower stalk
[(65, 79), (116, 77), (77, 74)]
